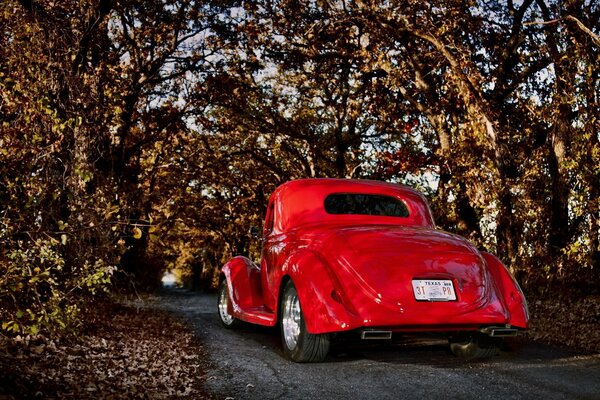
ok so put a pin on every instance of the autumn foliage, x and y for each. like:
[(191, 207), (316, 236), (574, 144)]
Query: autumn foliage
[(140, 136)]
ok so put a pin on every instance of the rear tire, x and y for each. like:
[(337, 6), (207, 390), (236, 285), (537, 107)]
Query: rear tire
[(298, 344), (227, 320), (477, 346)]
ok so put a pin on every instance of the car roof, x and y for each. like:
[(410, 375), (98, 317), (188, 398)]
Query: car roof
[(301, 202)]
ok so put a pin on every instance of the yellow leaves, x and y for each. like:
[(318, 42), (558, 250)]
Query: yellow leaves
[(11, 326), (596, 157), (137, 233), (111, 211), (33, 273), (84, 174)]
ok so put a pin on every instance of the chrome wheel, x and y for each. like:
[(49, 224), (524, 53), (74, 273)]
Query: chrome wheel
[(291, 319), (227, 319), (298, 344)]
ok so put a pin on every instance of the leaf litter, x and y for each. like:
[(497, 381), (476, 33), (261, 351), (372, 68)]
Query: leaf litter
[(569, 322), (124, 353)]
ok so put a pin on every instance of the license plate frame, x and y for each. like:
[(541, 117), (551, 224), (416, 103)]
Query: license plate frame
[(439, 290)]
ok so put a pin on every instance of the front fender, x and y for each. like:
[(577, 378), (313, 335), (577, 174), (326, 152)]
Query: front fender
[(509, 289), (323, 303), (243, 282)]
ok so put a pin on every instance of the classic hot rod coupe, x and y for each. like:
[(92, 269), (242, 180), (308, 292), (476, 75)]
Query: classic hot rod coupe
[(364, 257)]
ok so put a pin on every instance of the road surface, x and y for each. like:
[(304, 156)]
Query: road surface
[(248, 364)]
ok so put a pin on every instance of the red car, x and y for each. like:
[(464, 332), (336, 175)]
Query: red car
[(364, 256)]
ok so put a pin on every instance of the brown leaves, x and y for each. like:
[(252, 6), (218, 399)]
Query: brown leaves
[(126, 353), (566, 322)]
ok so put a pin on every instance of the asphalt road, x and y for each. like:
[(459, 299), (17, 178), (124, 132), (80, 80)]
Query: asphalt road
[(248, 364)]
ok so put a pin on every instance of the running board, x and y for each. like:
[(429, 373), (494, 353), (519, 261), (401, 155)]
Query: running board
[(257, 315)]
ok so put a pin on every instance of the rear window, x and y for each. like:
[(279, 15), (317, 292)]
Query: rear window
[(365, 204)]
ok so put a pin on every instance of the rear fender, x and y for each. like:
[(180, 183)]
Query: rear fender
[(243, 282), (510, 291), (323, 303)]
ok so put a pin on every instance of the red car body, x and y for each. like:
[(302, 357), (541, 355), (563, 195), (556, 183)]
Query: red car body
[(365, 271)]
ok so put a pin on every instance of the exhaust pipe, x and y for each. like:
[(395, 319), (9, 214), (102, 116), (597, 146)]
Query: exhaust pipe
[(497, 331), (375, 335)]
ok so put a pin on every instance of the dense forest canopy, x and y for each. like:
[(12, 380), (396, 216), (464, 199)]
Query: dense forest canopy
[(139, 136)]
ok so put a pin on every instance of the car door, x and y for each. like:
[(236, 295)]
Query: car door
[(269, 258)]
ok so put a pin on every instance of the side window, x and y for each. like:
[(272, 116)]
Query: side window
[(270, 220)]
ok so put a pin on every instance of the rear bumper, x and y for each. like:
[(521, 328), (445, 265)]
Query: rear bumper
[(369, 314), (387, 333)]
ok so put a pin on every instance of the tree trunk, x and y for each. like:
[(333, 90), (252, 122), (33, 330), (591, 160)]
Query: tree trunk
[(559, 215), (559, 141)]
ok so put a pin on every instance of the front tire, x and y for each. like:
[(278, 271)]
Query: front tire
[(227, 320), (298, 344)]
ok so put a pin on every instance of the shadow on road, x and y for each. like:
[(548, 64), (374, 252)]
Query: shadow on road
[(426, 349), (248, 363)]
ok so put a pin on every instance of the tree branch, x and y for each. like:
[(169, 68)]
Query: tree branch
[(571, 18)]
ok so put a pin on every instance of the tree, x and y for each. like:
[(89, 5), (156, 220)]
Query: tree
[(137, 136), (470, 92), (89, 95)]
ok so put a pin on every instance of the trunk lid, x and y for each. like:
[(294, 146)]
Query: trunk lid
[(384, 260)]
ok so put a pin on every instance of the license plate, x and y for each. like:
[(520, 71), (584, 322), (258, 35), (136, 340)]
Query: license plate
[(433, 289)]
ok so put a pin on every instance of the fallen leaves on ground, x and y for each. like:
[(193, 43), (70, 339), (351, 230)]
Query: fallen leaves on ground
[(124, 353), (569, 323)]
